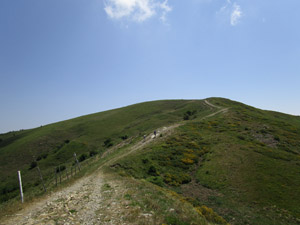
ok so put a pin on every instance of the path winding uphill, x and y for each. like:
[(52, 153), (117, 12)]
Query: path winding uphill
[(88, 201), (94, 199), (73, 205)]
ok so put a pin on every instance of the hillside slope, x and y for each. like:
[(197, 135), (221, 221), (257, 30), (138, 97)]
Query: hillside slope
[(209, 156), (106, 198), (53, 145), (245, 164)]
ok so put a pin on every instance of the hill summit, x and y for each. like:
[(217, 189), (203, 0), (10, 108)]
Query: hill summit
[(178, 162)]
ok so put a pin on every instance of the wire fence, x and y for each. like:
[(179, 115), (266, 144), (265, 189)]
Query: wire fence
[(46, 179)]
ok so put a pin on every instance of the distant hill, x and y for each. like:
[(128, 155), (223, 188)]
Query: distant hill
[(242, 162)]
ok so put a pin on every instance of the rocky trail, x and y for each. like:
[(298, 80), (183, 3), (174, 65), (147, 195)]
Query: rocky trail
[(94, 199)]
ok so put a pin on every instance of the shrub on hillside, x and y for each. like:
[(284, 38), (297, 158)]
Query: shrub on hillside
[(60, 168), (156, 180), (124, 137), (108, 142), (241, 137), (42, 156), (82, 157), (188, 114), (145, 160), (187, 161), (93, 152), (186, 117), (193, 145), (174, 220), (210, 215), (33, 165), (177, 180), (153, 171)]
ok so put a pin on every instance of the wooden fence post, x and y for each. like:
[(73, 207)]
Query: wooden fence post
[(21, 189), (41, 177), (59, 174), (55, 171), (77, 161)]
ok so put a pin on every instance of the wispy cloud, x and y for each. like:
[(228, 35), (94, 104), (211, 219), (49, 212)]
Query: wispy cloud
[(165, 9), (137, 10), (233, 10), (236, 14)]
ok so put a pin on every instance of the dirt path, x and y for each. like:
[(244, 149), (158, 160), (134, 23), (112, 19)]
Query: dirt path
[(165, 131), (221, 110), (91, 200), (211, 105), (86, 201)]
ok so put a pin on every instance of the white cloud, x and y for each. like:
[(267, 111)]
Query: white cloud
[(137, 10), (232, 10), (236, 14), (165, 9)]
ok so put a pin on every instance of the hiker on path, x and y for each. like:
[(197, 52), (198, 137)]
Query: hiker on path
[(155, 133)]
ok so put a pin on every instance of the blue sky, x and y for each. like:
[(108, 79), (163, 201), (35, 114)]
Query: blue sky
[(64, 58)]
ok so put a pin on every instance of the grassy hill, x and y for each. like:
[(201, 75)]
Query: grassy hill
[(53, 145), (244, 163)]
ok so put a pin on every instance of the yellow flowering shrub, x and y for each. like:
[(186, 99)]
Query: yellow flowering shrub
[(210, 215)]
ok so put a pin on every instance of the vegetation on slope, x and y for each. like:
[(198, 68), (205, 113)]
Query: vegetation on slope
[(150, 204), (244, 164), (53, 145)]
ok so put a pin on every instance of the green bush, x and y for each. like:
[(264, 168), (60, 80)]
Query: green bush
[(82, 157), (189, 114), (108, 142), (241, 137), (42, 156), (186, 117), (124, 137), (172, 220), (145, 160), (210, 215), (60, 168), (156, 180), (177, 180), (152, 171), (33, 165), (45, 155), (93, 152)]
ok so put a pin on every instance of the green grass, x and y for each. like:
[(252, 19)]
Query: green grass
[(55, 144), (142, 197), (244, 164)]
